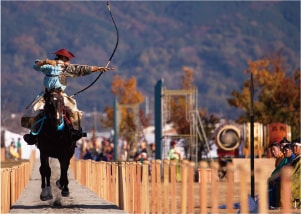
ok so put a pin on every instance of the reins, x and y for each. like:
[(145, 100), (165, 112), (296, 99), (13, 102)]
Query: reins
[(41, 120)]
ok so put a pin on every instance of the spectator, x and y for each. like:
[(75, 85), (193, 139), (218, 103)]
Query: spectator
[(274, 179), (142, 153), (19, 148), (108, 152), (174, 154), (124, 150), (87, 150), (284, 142), (288, 152), (153, 151), (78, 149), (12, 150), (296, 162)]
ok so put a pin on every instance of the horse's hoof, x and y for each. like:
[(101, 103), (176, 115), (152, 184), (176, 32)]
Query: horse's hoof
[(58, 184), (46, 194), (65, 193)]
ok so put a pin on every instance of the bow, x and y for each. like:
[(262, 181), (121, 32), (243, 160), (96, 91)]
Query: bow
[(110, 59)]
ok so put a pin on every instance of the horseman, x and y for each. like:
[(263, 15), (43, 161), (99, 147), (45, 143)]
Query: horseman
[(55, 81)]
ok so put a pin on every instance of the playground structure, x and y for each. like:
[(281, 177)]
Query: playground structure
[(163, 112)]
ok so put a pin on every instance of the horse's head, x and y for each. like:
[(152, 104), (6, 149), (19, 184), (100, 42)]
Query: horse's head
[(54, 105)]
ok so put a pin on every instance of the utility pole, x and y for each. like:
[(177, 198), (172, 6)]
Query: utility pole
[(252, 136)]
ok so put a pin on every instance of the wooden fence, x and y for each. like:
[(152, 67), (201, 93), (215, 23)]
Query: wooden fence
[(15, 175), (151, 187)]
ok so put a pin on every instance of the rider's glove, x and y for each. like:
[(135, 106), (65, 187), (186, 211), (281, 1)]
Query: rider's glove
[(101, 69)]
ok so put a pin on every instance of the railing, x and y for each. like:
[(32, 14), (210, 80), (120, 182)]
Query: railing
[(15, 175), (151, 187)]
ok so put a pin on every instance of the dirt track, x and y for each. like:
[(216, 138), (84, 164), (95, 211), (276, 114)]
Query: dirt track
[(81, 199)]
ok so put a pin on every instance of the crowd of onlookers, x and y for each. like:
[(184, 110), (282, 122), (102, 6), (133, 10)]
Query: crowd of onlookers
[(102, 149), (286, 153), (95, 149)]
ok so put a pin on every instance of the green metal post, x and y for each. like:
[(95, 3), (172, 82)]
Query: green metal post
[(158, 119)]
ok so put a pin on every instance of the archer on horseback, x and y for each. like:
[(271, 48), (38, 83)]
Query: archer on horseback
[(55, 81)]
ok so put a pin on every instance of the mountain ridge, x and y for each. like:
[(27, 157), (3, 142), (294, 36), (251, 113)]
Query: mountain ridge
[(216, 39)]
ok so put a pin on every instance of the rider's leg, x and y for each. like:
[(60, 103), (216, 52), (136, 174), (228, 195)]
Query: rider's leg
[(74, 116), (29, 119)]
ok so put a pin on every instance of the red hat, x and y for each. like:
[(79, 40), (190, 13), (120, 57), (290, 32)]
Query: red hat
[(173, 143), (64, 52)]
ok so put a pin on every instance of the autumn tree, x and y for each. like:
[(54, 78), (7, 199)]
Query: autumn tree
[(276, 94), (129, 99)]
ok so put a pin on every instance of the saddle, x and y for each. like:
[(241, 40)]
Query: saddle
[(54, 103)]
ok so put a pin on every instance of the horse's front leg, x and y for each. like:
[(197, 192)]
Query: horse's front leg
[(45, 172), (63, 182)]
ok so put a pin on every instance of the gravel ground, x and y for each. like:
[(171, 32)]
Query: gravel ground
[(81, 199)]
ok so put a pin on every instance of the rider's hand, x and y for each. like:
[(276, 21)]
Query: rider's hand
[(104, 69)]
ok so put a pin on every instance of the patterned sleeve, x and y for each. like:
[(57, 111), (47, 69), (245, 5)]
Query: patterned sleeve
[(77, 70)]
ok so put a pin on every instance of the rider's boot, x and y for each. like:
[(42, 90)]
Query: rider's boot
[(30, 139), (77, 134)]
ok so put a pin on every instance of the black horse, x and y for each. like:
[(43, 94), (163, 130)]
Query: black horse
[(54, 140)]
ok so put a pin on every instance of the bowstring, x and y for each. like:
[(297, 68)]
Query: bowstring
[(110, 59)]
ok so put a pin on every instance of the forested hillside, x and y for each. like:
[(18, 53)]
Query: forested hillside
[(156, 39)]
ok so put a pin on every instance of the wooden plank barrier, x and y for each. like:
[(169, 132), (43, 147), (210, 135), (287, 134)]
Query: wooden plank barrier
[(214, 187), (151, 186), (262, 186), (184, 169), (88, 174), (173, 184), (203, 186), (158, 186), (286, 188), (97, 177), (5, 190), (230, 191), (115, 189), (122, 186), (137, 191), (190, 187), (15, 176), (166, 185), (243, 189), (145, 188), (109, 180)]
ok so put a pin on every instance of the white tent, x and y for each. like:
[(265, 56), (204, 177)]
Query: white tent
[(26, 149)]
